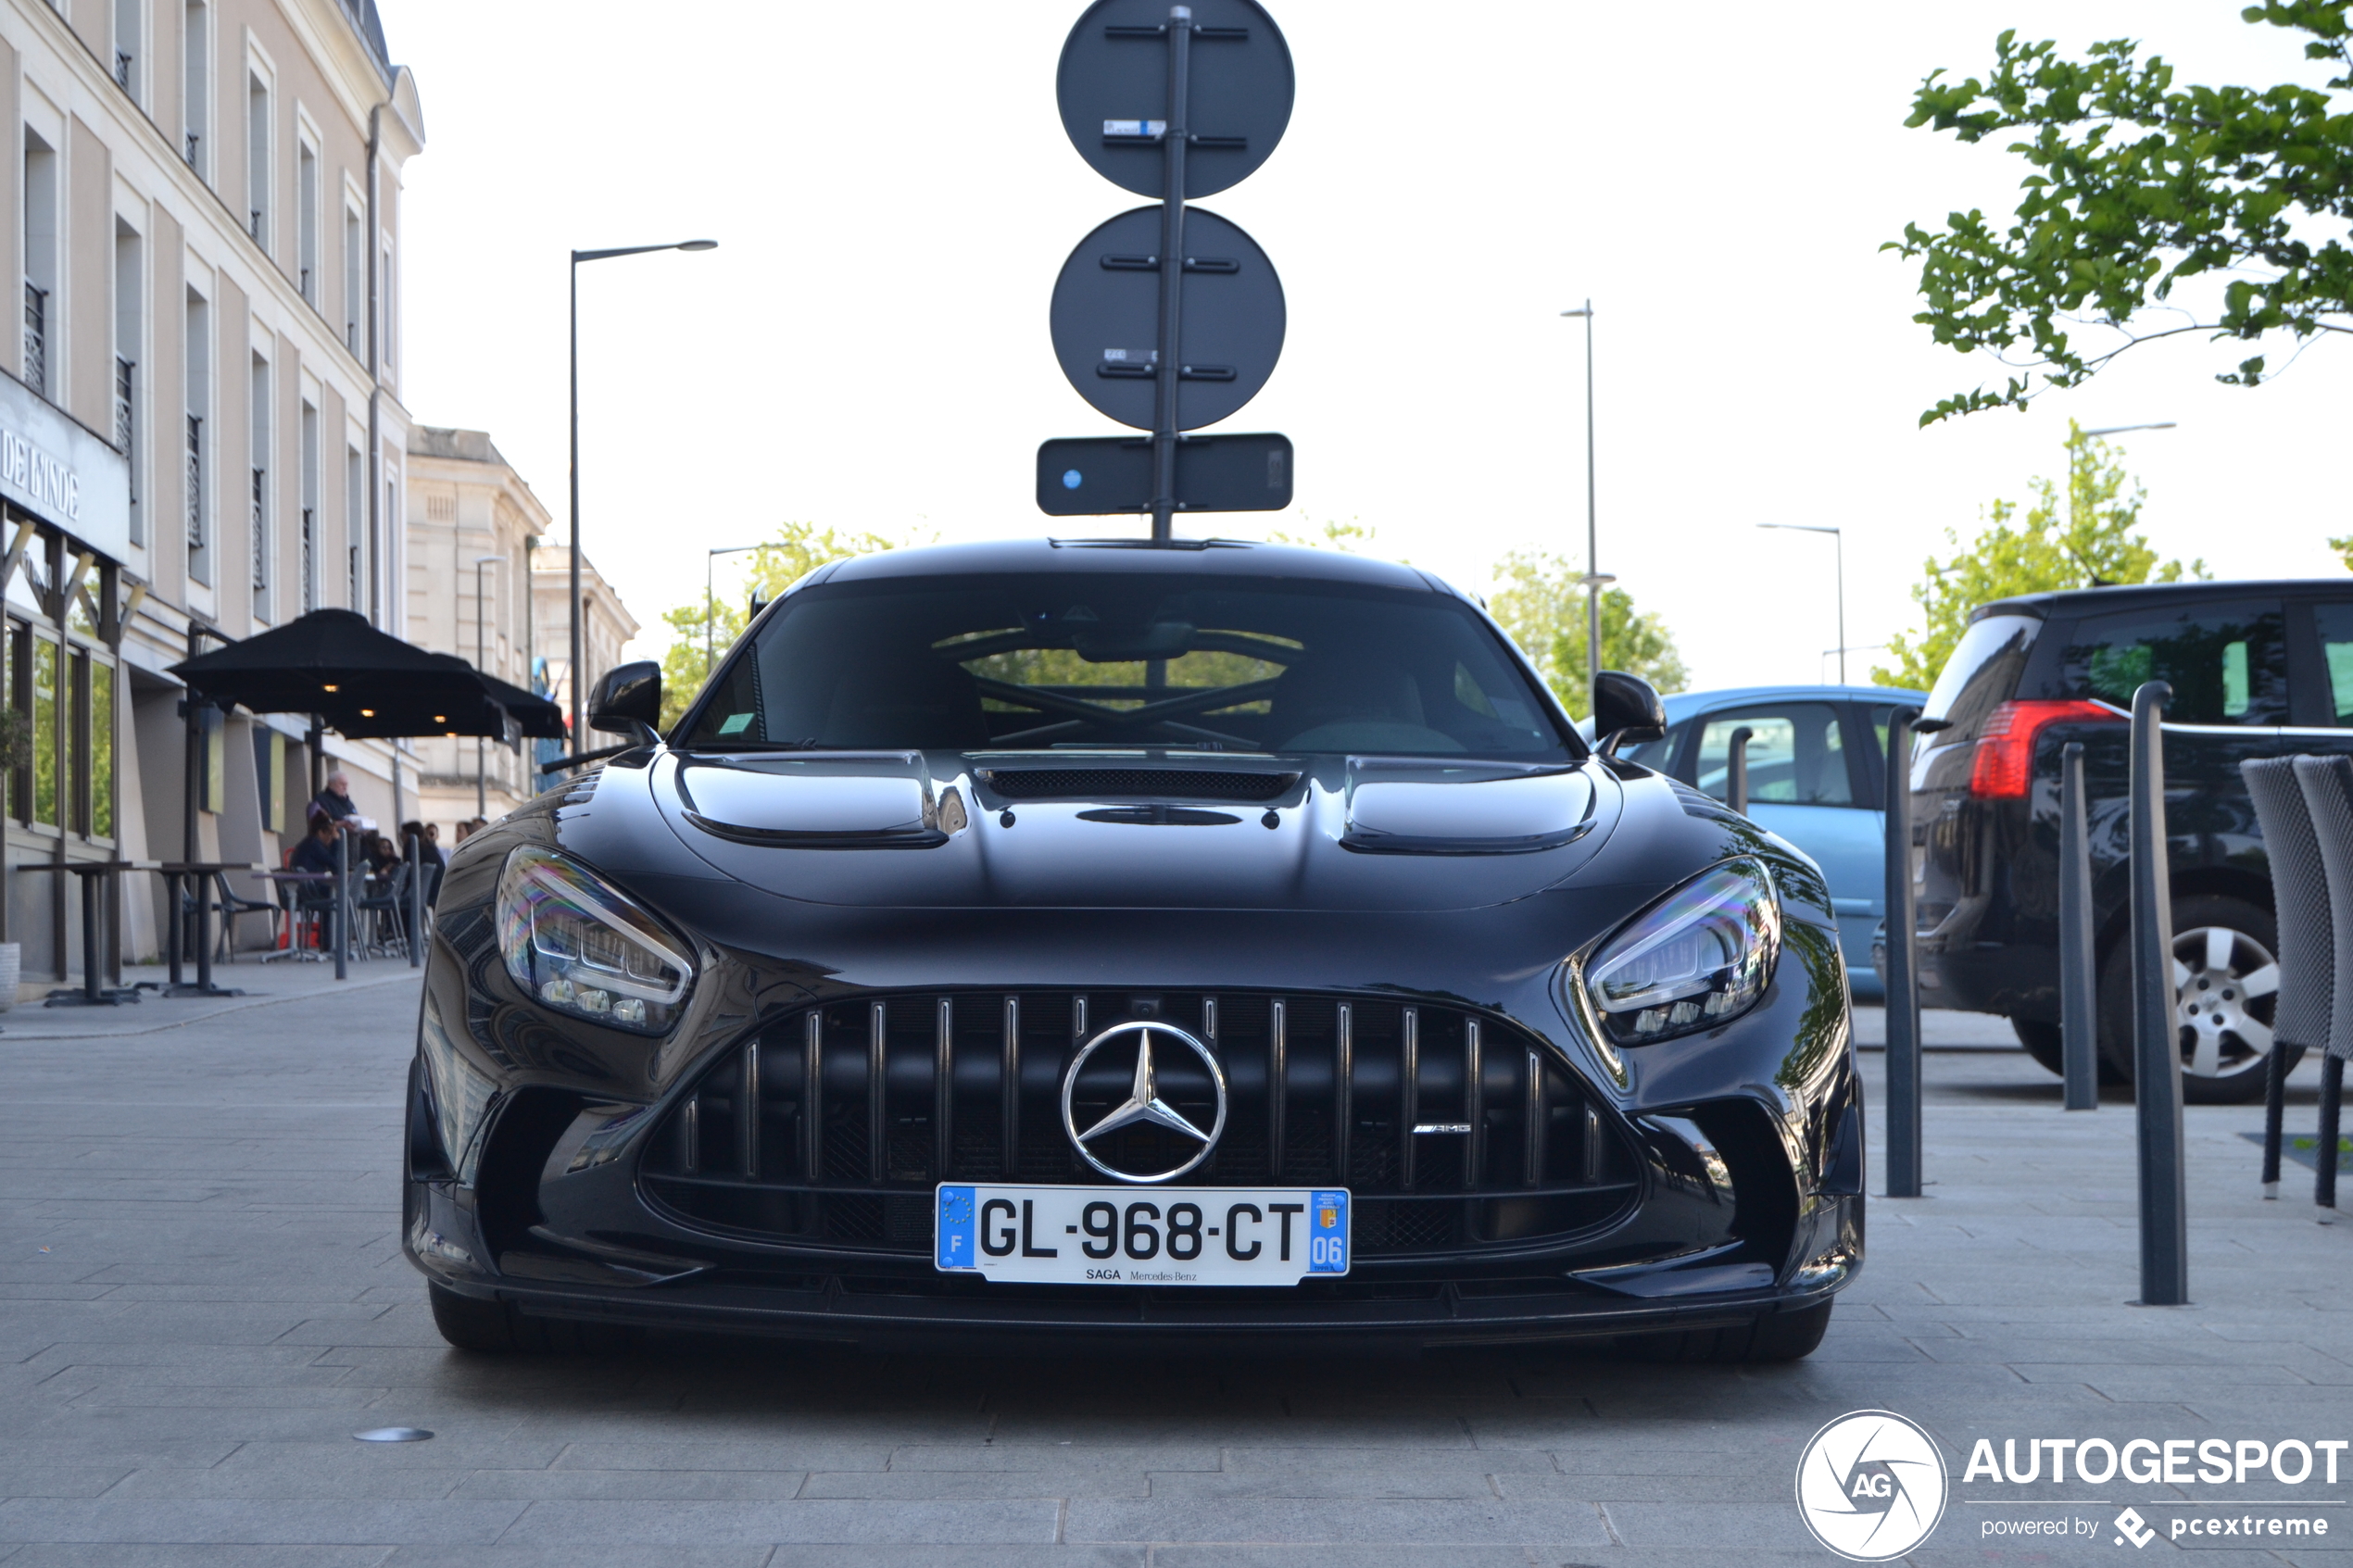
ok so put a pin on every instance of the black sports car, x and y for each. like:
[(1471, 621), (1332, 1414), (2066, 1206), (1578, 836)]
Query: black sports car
[(1077, 940)]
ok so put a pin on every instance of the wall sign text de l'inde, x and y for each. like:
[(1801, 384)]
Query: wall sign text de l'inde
[(46, 481)]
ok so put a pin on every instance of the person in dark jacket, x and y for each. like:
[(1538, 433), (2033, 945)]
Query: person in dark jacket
[(335, 799)]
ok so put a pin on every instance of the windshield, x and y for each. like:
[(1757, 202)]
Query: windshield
[(1981, 675), (1041, 662)]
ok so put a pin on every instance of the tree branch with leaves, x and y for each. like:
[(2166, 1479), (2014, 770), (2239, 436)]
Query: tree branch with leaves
[(2140, 187)]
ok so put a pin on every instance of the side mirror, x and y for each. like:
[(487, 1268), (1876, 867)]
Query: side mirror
[(626, 700), (1626, 708)]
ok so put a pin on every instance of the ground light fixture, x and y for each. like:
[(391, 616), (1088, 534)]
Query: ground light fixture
[(578, 696)]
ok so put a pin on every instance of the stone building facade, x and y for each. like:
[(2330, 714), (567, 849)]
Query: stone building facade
[(200, 425)]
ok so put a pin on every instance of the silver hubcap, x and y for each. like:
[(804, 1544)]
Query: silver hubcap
[(2224, 983)]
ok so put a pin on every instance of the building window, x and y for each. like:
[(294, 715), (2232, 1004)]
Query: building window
[(130, 338), (258, 182), (310, 508), (196, 50), (306, 222), (263, 430), (44, 731), (40, 261), (355, 283), (355, 503), (128, 54), (199, 406)]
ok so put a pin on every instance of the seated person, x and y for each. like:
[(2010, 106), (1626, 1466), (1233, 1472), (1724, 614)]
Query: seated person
[(335, 799), (377, 852), (315, 853)]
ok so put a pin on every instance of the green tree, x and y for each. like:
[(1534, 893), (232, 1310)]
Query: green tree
[(714, 623), (2139, 187), (2083, 539), (1539, 600)]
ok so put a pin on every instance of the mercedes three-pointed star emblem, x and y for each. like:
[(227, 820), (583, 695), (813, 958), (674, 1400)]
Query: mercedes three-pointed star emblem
[(1143, 1104)]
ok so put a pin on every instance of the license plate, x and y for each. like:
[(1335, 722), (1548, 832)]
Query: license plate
[(1127, 1236)]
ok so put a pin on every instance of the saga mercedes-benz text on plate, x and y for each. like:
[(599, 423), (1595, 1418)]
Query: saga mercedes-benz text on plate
[(1088, 941)]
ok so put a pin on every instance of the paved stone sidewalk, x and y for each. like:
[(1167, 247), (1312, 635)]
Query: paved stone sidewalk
[(202, 1297)]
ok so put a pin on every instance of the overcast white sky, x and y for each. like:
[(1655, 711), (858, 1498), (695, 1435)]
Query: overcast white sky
[(893, 195)]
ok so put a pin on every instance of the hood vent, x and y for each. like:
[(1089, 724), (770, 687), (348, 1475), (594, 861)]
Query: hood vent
[(1136, 784)]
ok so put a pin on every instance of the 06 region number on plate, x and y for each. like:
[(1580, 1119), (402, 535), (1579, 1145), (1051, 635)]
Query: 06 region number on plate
[(1122, 1235)]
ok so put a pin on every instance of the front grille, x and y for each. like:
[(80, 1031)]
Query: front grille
[(831, 1125), (1114, 783)]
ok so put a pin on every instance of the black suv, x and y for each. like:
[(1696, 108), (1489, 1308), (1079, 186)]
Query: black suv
[(2258, 670)]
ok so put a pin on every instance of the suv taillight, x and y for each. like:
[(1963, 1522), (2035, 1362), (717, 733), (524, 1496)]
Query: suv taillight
[(2005, 760)]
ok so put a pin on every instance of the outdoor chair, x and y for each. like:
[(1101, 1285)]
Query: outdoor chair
[(230, 906), (2307, 958), (382, 914), (2327, 784)]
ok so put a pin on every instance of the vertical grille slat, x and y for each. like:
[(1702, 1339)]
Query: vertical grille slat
[(1343, 1088), (943, 1092), (1474, 1108), (1409, 1096), (1008, 1087), (760, 1143), (877, 1123), (748, 1111), (813, 1097), (1277, 1051)]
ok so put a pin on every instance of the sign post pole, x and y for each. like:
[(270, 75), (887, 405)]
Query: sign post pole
[(2156, 1049)]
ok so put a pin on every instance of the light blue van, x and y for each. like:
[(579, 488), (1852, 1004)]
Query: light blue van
[(1814, 778)]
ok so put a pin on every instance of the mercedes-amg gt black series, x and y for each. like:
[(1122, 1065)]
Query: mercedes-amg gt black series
[(1070, 941)]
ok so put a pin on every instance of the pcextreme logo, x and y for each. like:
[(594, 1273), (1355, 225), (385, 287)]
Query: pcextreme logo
[(1870, 1485)]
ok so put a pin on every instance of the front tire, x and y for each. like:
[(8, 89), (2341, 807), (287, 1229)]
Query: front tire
[(2226, 984), (485, 1327)]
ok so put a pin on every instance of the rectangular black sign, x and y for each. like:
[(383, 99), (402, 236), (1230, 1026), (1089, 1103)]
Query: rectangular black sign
[(1091, 476)]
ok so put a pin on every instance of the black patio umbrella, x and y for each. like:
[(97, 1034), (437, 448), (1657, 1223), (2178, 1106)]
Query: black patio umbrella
[(536, 717), (362, 683)]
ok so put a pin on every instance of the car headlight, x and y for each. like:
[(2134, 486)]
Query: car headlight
[(580, 947), (1698, 957)]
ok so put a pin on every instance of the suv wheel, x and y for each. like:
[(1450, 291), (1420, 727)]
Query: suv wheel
[(2226, 984), (2044, 1043)]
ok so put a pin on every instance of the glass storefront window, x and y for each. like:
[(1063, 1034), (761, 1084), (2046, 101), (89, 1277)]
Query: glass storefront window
[(45, 731), (102, 750)]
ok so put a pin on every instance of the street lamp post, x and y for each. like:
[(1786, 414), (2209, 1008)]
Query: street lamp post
[(1840, 538), (1593, 580), (482, 752), (709, 604), (578, 719)]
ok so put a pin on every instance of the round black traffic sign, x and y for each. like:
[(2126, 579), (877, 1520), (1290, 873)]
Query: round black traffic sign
[(1106, 315), (1113, 87)]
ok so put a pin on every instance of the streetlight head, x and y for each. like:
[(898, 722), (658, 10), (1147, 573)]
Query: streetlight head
[(699, 244), (1588, 311)]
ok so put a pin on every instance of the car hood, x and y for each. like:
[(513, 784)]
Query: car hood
[(917, 830)]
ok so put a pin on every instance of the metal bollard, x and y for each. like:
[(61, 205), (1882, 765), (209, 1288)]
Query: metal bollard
[(2079, 991), (2157, 1049), (1901, 979), (342, 920), (2325, 1153), (416, 902), (1736, 770)]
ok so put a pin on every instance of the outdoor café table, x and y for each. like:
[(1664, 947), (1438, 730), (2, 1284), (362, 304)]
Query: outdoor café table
[(91, 994), (195, 871), (340, 931)]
